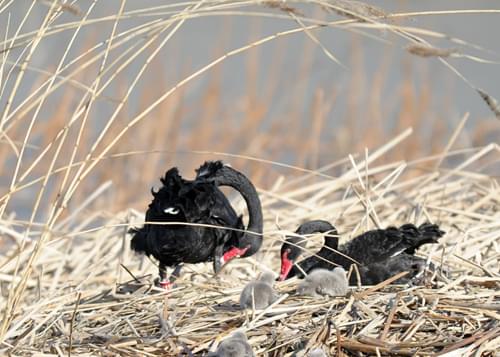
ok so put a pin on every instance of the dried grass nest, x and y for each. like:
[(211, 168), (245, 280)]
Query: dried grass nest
[(87, 294)]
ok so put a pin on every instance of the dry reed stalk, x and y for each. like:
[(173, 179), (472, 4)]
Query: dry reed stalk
[(201, 309), (429, 51), (61, 250)]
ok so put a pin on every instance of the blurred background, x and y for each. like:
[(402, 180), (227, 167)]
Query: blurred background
[(80, 83)]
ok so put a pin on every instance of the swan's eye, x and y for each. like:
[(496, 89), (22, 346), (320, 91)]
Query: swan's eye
[(171, 210)]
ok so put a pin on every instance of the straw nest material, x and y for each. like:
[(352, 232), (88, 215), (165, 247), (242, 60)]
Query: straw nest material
[(87, 294)]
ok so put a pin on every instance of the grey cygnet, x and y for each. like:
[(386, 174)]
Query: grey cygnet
[(324, 282), (235, 346), (259, 294), (317, 352)]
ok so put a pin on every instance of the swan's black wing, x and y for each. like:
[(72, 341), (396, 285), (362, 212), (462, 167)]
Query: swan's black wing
[(185, 208), (205, 207), (374, 245), (208, 205), (381, 244), (425, 233), (377, 272), (144, 239)]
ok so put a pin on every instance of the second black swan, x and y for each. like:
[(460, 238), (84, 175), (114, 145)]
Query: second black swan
[(381, 253)]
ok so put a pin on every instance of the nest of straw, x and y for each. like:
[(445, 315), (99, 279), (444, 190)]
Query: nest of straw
[(86, 293)]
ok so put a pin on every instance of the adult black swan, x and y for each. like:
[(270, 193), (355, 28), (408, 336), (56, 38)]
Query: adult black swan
[(192, 221), (381, 253)]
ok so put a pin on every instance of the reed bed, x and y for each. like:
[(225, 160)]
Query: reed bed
[(89, 295), (71, 129)]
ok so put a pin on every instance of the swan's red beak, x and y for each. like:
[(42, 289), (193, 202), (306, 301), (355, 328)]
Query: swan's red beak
[(286, 265), (166, 284), (232, 253)]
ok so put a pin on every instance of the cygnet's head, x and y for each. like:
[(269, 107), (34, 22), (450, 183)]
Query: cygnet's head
[(317, 352), (267, 277), (340, 272), (258, 295), (239, 335), (234, 346)]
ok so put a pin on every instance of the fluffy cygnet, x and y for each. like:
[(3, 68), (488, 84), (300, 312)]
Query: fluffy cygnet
[(317, 352), (259, 294), (324, 282), (235, 346)]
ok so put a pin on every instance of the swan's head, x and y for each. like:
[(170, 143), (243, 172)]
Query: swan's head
[(290, 252), (292, 248), (209, 169)]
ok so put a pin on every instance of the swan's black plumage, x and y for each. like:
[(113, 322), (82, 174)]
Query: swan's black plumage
[(381, 244), (292, 249), (243, 244), (381, 253), (377, 272), (197, 201)]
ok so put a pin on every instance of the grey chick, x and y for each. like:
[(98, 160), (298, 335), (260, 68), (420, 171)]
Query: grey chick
[(235, 346), (259, 294), (324, 282), (317, 352)]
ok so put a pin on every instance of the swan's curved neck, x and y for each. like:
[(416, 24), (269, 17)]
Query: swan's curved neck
[(252, 239), (320, 226)]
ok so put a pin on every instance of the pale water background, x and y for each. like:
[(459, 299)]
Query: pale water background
[(203, 39), (199, 41)]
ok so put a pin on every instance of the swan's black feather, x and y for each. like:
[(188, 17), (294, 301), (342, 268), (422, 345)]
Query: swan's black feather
[(381, 253), (195, 202), (382, 244), (208, 169), (195, 221), (377, 272)]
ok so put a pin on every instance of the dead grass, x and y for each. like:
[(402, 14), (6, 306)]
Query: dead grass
[(81, 292), (64, 286)]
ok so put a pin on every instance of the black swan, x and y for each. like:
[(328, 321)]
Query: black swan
[(199, 202), (292, 248), (381, 253), (321, 282), (234, 346), (259, 294)]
